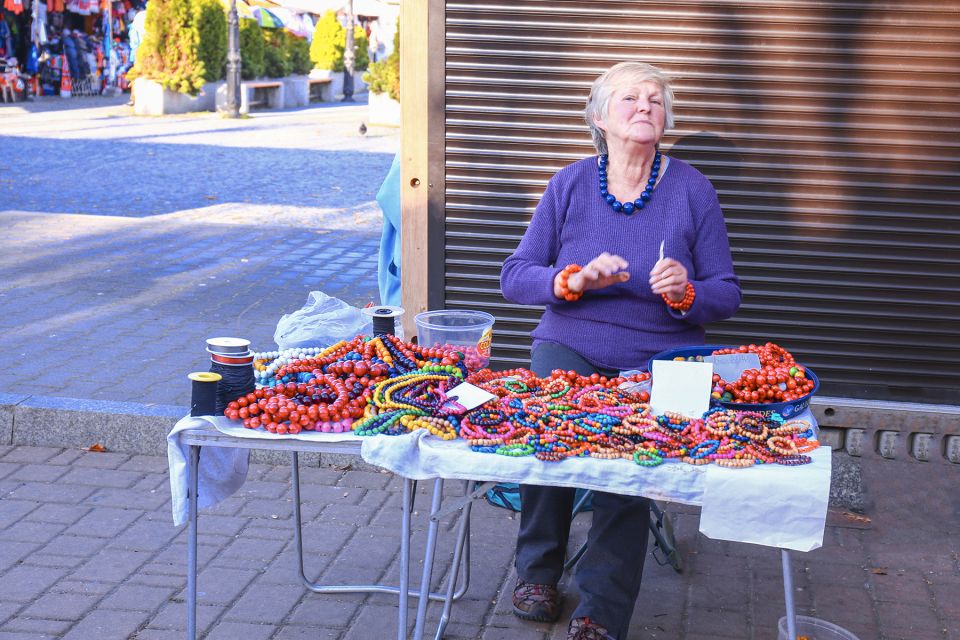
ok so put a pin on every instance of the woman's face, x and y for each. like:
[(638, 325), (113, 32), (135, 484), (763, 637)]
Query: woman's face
[(636, 114)]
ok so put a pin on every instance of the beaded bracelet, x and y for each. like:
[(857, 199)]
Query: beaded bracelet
[(565, 293), (689, 295)]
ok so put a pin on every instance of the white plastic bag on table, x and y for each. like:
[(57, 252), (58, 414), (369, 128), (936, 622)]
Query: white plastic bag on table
[(323, 321)]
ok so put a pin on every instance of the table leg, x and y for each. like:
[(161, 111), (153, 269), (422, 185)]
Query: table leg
[(788, 595), (192, 498), (406, 509), (463, 533), (428, 560)]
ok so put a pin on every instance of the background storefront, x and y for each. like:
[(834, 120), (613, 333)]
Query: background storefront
[(829, 131)]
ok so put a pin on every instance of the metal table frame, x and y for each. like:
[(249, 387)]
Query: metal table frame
[(198, 438)]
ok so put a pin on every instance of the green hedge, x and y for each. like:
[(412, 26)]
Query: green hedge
[(210, 24), (252, 50), (169, 51)]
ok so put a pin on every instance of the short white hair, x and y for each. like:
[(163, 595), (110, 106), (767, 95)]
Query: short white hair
[(598, 102)]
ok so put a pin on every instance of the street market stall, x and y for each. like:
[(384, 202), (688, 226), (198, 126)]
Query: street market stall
[(423, 413)]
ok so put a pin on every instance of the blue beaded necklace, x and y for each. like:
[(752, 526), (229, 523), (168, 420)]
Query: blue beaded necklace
[(628, 208)]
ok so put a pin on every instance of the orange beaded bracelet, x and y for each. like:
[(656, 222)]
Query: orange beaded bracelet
[(685, 304), (565, 293)]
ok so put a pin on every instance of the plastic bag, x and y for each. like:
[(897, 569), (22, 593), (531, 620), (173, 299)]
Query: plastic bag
[(323, 321)]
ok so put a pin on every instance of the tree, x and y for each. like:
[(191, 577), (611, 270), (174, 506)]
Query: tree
[(251, 49), (276, 58), (327, 48), (330, 42), (168, 53), (210, 24)]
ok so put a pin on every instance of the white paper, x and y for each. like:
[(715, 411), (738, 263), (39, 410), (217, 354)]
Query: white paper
[(768, 504), (729, 366), (469, 396), (681, 386)]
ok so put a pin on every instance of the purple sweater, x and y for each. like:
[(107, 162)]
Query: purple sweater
[(621, 326)]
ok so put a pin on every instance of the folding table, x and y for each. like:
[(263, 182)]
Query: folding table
[(208, 436), (420, 457)]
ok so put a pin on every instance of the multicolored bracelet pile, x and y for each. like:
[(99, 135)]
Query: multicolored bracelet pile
[(567, 415)]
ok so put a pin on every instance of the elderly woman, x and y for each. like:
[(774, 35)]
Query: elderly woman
[(629, 253)]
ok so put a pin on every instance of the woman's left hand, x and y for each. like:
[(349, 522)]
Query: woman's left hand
[(669, 277)]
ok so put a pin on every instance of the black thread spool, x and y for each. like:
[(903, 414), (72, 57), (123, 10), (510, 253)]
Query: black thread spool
[(384, 319), (203, 392), (233, 361)]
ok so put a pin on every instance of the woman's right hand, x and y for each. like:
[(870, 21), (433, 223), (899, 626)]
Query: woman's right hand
[(604, 270)]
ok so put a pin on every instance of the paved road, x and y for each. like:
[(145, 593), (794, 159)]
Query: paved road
[(129, 241), (87, 551)]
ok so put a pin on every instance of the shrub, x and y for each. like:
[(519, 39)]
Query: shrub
[(276, 59), (252, 48), (324, 51), (298, 52), (361, 49), (384, 76), (330, 41), (210, 24), (168, 53)]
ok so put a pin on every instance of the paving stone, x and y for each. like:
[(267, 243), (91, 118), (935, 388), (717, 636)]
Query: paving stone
[(112, 497), (102, 460), (28, 455), (34, 472), (103, 623), (56, 562), (104, 522), (174, 616), (288, 632), (216, 585), (111, 565), (328, 610), (65, 457), (61, 606), (83, 586), (373, 621), (145, 464), (25, 583), (40, 492), (57, 513), (134, 597), (11, 510), (35, 532), (70, 545), (904, 617), (22, 635), (6, 468), (101, 477), (227, 630), (53, 628), (265, 603)]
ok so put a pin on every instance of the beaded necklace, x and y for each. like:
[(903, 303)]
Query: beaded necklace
[(628, 207)]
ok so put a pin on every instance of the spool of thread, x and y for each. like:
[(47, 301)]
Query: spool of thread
[(203, 393), (384, 318), (233, 362)]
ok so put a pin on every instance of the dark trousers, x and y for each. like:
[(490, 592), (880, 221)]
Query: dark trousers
[(609, 573)]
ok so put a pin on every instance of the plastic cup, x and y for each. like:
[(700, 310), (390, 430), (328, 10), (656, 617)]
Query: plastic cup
[(470, 332), (814, 629)]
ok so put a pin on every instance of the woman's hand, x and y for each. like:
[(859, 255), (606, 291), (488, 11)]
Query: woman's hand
[(669, 277), (604, 270)]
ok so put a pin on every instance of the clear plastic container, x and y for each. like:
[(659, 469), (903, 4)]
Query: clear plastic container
[(814, 629), (470, 332)]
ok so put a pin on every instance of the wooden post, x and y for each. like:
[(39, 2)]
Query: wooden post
[(414, 182)]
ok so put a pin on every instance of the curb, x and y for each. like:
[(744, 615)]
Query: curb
[(123, 427)]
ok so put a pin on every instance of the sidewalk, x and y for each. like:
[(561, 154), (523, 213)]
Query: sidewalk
[(191, 227), (88, 551)]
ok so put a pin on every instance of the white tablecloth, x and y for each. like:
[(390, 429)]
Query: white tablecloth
[(772, 505)]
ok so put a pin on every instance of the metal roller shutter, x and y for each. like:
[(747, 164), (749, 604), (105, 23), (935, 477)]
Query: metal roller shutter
[(828, 128)]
